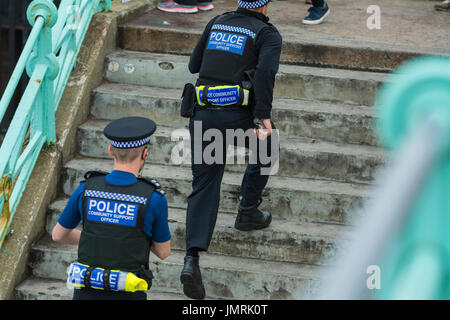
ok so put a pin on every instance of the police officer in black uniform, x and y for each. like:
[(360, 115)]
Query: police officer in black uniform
[(237, 58), (124, 217)]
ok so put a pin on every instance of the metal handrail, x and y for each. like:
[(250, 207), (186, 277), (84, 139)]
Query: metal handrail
[(48, 57)]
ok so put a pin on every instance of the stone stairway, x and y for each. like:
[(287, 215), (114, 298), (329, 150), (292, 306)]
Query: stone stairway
[(328, 158)]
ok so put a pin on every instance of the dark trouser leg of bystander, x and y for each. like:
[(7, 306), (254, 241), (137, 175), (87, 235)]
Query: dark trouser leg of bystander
[(187, 2), (317, 3)]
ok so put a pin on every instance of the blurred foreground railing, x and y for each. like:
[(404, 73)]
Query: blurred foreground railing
[(404, 227), (48, 56)]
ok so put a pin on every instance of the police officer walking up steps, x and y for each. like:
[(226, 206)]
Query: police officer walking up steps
[(237, 58), (124, 217)]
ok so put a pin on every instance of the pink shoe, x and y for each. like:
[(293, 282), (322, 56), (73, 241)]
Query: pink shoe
[(308, 1), (205, 6), (172, 6), (443, 6)]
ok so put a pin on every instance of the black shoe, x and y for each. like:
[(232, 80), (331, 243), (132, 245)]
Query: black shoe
[(251, 218), (191, 278)]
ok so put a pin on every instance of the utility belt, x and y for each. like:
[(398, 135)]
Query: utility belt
[(214, 96), (84, 276)]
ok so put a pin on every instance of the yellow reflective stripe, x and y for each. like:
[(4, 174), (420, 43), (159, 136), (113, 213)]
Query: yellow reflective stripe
[(246, 96), (197, 90), (224, 87)]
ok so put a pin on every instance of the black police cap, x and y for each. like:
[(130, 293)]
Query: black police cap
[(130, 132)]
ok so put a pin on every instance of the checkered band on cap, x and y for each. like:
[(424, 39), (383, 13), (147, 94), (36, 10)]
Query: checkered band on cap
[(224, 27), (115, 196), (130, 144), (252, 4)]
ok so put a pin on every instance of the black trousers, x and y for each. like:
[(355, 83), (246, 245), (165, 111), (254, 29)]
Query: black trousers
[(317, 3), (203, 202), (94, 294)]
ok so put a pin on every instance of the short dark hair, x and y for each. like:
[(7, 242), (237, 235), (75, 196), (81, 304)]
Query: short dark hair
[(127, 155)]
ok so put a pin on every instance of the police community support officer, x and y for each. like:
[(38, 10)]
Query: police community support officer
[(232, 46), (119, 244)]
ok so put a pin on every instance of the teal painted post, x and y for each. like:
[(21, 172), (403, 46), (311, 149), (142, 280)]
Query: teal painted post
[(400, 244), (417, 263), (43, 118)]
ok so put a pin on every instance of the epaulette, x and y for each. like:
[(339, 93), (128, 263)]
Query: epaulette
[(91, 174), (155, 184)]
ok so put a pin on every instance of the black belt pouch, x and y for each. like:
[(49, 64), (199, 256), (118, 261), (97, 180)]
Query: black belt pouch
[(188, 101)]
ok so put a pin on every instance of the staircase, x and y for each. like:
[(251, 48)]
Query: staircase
[(328, 157)]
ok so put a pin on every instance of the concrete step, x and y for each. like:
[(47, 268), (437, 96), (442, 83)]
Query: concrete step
[(257, 279), (296, 82), (283, 240), (303, 158), (335, 122), (50, 289), (294, 199), (161, 32)]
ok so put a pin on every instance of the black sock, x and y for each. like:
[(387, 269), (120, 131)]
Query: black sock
[(317, 3), (192, 252)]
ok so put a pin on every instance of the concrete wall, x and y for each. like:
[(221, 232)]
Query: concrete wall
[(29, 220)]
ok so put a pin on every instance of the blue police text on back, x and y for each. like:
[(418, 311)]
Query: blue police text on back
[(112, 212), (225, 41)]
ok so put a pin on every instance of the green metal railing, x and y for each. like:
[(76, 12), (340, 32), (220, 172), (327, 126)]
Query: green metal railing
[(404, 226), (48, 56)]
